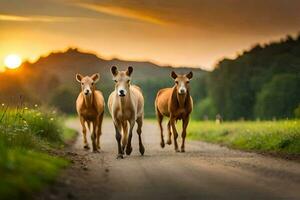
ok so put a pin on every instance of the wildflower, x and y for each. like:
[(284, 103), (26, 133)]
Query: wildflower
[(26, 108), (51, 119), (3, 104), (35, 105)]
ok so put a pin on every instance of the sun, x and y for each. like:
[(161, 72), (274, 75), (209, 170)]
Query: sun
[(12, 61)]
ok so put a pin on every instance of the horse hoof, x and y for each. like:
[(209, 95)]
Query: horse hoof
[(120, 156), (182, 150), (98, 147), (169, 142), (162, 144), (86, 147), (142, 150), (96, 151), (128, 150), (177, 150)]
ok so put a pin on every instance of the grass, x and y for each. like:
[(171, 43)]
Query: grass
[(266, 136), (26, 138), (68, 135)]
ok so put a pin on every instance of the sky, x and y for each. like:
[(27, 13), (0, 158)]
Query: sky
[(195, 33)]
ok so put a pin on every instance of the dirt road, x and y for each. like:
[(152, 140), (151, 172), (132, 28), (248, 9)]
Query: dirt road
[(205, 171)]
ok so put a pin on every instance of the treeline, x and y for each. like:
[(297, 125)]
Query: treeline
[(262, 83)]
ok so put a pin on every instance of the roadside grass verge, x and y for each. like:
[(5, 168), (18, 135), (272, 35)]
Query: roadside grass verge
[(68, 135), (27, 136), (281, 137)]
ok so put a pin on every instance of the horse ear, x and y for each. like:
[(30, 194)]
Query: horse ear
[(95, 77), (79, 77), (173, 75), (114, 70), (189, 75), (129, 71)]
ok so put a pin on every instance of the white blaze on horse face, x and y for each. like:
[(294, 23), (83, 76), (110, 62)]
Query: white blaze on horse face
[(182, 88), (87, 83), (86, 88), (122, 86), (122, 91)]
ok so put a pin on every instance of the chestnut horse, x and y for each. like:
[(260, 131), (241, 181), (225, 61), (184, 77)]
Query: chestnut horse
[(177, 104), (126, 104), (90, 108)]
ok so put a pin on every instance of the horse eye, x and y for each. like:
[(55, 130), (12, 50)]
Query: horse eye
[(188, 82), (176, 82), (92, 83), (81, 83), (115, 81)]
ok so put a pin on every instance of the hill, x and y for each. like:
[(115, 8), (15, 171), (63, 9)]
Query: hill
[(51, 79)]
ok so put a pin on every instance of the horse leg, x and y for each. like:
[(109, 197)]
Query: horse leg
[(185, 122), (124, 136), (99, 132), (93, 135), (175, 133), (169, 141), (129, 147), (139, 121), (118, 138), (85, 143), (160, 119)]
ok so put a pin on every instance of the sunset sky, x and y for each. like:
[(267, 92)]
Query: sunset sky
[(194, 33)]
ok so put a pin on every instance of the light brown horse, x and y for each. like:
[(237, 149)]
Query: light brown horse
[(126, 104), (177, 104), (90, 108)]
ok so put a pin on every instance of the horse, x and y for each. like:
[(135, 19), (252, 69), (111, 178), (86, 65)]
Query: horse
[(126, 106), (90, 108), (177, 104)]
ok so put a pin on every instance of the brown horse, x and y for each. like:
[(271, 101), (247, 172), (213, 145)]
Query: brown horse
[(126, 104), (177, 104), (90, 108)]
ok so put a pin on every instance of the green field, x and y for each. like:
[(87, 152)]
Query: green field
[(27, 138), (265, 136)]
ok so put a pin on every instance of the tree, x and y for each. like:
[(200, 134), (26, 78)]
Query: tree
[(204, 109), (279, 97), (234, 85), (297, 112), (64, 99)]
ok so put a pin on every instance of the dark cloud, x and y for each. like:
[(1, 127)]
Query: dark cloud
[(252, 16)]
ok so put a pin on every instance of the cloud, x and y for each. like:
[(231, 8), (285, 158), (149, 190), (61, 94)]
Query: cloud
[(44, 11), (129, 13), (248, 16), (34, 18)]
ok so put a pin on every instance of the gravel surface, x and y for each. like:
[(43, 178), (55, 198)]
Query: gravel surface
[(205, 171)]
